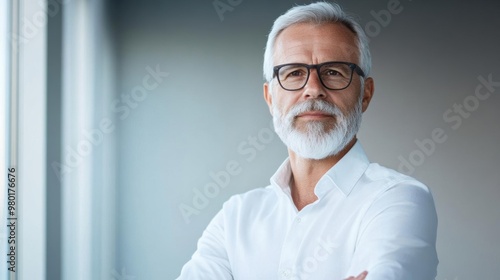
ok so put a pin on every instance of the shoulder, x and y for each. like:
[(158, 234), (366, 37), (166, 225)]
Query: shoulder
[(387, 178), (385, 186)]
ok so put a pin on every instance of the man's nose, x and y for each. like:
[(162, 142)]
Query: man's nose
[(314, 88)]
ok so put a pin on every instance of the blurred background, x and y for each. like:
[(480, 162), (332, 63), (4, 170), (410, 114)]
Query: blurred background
[(130, 123)]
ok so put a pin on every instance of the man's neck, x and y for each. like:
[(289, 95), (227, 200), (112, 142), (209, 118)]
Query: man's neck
[(307, 172)]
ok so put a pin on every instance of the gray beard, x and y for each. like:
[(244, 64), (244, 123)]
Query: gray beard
[(315, 140)]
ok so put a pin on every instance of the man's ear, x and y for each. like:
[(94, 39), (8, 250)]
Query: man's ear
[(268, 97), (368, 92)]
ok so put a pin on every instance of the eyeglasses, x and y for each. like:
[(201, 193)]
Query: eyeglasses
[(334, 75)]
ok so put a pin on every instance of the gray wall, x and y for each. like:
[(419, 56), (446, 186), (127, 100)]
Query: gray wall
[(205, 114)]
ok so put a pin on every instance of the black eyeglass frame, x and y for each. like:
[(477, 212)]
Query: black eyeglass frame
[(354, 68)]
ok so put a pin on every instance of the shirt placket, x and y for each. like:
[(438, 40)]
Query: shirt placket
[(292, 245)]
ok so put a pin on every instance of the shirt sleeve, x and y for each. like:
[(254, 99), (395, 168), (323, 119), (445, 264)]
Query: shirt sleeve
[(210, 261), (397, 237)]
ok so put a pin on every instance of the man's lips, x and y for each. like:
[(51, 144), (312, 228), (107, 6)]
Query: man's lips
[(314, 115)]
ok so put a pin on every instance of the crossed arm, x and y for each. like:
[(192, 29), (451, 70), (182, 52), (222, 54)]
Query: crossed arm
[(396, 241)]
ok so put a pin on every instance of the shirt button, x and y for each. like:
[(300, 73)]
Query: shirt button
[(299, 220), (287, 273)]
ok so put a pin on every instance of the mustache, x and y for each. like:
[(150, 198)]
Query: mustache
[(314, 105)]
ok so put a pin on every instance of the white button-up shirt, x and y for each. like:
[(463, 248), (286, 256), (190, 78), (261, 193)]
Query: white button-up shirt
[(366, 217)]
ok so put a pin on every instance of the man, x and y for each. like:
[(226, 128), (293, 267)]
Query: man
[(329, 213)]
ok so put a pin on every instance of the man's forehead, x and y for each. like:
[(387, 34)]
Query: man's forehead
[(328, 50), (308, 40)]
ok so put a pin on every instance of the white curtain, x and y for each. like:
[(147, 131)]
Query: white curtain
[(86, 165)]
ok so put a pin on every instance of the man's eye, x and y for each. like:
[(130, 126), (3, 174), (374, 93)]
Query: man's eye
[(296, 73), (332, 72)]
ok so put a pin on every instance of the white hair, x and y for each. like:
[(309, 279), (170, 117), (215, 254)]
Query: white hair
[(318, 13)]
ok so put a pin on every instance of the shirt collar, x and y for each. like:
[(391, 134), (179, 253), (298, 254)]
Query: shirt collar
[(281, 178), (344, 174)]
